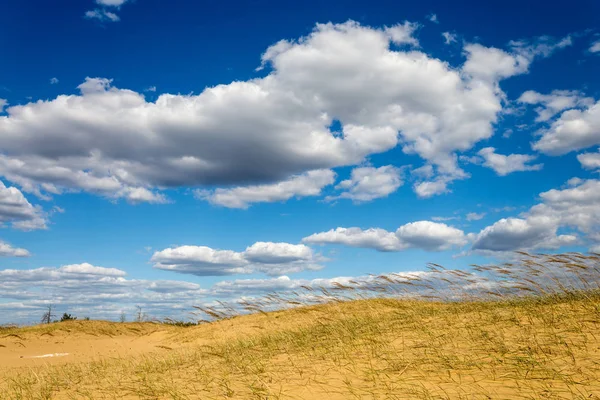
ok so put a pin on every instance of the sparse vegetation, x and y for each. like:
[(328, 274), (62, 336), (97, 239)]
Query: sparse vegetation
[(67, 317), (526, 330), (48, 315)]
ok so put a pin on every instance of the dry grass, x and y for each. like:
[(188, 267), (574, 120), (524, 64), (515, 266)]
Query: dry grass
[(534, 343)]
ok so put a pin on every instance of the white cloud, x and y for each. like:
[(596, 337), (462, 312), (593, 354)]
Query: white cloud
[(449, 37), (20, 213), (308, 184), (515, 233), (88, 290), (433, 18), (369, 183), (442, 219), (431, 236), (102, 15), (542, 46), (53, 81), (431, 188), (403, 33), (555, 102), (6, 250), (573, 130), (595, 47), (268, 129), (475, 216), (426, 235), (151, 89), (3, 103), (491, 64), (575, 207), (111, 3), (504, 165), (590, 160), (266, 257), (374, 238), (424, 172)]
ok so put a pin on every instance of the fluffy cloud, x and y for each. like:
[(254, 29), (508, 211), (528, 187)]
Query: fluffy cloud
[(6, 250), (555, 102), (307, 184), (431, 236), (431, 188), (369, 183), (575, 207), (112, 141), (266, 257), (18, 211), (504, 165), (3, 103), (515, 233), (590, 160), (595, 47), (374, 238), (492, 64), (575, 129), (426, 235)]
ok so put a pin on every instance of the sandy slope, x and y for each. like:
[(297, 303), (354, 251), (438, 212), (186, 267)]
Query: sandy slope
[(367, 349)]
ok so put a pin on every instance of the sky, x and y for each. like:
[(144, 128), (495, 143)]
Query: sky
[(166, 154)]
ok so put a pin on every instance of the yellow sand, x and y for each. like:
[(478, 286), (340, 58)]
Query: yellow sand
[(370, 349)]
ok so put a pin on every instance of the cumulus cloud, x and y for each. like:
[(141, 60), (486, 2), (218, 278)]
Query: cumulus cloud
[(575, 129), (504, 165), (426, 235), (3, 103), (374, 238), (575, 207), (492, 64), (266, 257), (555, 102), (515, 233), (590, 160), (595, 47), (431, 188), (6, 250), (307, 184), (18, 211), (369, 183), (265, 130), (403, 33)]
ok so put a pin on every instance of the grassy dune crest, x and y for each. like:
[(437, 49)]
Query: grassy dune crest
[(524, 330)]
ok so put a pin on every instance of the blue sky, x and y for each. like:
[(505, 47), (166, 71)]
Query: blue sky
[(153, 153)]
